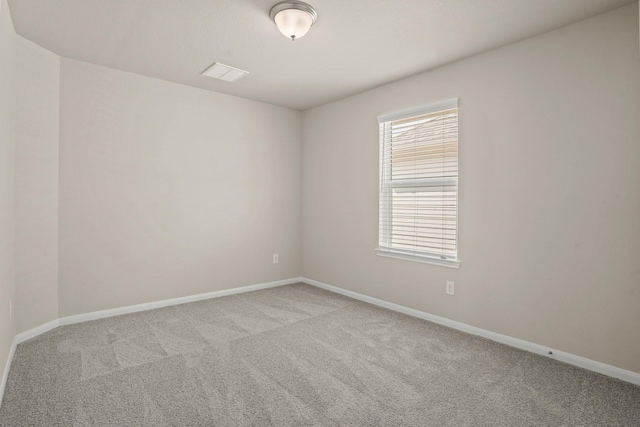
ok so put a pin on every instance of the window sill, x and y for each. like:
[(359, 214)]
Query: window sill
[(418, 258)]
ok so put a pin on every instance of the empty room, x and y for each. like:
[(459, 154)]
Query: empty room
[(321, 213)]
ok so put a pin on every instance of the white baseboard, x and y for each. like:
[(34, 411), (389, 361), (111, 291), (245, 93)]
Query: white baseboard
[(85, 317), (31, 333), (5, 374), (572, 359), (17, 340), (569, 358)]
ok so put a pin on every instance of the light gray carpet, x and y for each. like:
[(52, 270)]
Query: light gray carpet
[(296, 356)]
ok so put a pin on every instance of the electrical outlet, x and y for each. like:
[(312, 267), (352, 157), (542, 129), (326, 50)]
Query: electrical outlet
[(10, 309), (449, 289), (275, 258)]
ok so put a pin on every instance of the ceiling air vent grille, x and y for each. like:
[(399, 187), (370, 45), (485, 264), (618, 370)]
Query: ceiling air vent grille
[(224, 72)]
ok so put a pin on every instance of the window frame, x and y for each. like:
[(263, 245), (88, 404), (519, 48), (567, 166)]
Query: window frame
[(386, 186)]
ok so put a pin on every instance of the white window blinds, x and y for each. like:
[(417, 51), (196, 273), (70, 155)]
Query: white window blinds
[(419, 184)]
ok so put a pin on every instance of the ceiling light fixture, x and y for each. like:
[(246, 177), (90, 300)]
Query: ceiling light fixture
[(293, 18)]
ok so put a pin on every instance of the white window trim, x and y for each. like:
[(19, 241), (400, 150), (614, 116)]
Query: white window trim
[(419, 111), (418, 257), (423, 257)]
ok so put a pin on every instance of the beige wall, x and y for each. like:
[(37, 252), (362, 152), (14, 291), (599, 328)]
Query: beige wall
[(37, 117), (549, 193), (7, 171), (168, 190)]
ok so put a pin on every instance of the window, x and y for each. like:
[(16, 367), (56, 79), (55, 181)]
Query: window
[(419, 184)]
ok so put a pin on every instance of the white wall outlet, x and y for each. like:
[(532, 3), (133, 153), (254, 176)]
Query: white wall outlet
[(449, 289), (10, 309), (275, 258)]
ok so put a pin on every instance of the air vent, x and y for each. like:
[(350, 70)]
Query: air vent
[(224, 72)]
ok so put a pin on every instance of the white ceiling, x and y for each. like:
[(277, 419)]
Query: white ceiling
[(355, 44)]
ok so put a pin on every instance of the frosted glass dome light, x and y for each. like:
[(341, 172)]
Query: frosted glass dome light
[(293, 18)]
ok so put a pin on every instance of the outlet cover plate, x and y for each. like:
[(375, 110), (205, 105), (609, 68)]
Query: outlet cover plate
[(450, 288)]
